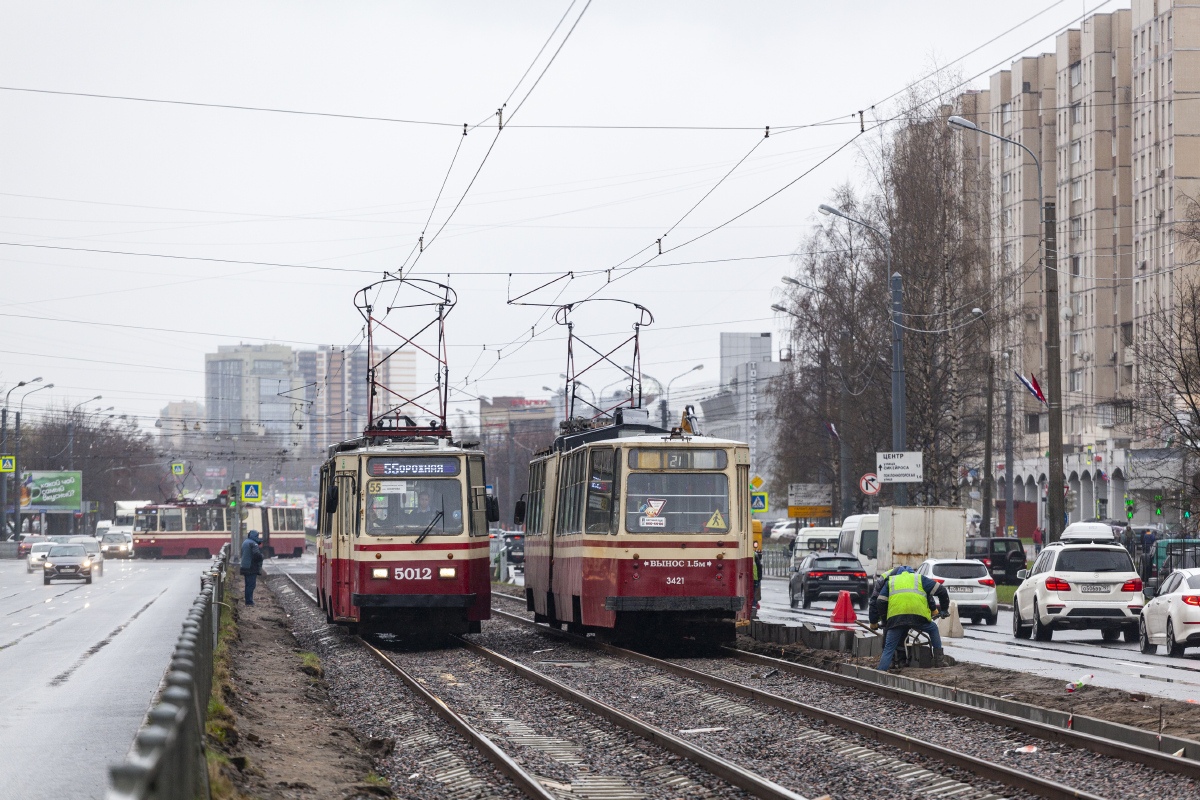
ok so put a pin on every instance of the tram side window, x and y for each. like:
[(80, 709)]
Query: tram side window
[(571, 496), (295, 519), (146, 521), (347, 505), (171, 519), (743, 497), (477, 496), (324, 518), (204, 519), (537, 497), (599, 492)]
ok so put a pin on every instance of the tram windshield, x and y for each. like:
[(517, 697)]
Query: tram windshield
[(412, 507), (679, 502)]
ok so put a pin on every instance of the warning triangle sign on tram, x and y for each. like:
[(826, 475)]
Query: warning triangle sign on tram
[(716, 521)]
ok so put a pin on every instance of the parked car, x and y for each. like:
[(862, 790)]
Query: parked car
[(815, 574), (69, 561), (37, 554), (25, 544), (1004, 556), (93, 550), (1172, 617), (115, 545), (968, 583), (1079, 586), (514, 548), (785, 530)]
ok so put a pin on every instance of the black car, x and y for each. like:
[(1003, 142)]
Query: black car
[(67, 561), (828, 573), (1004, 556), (514, 548)]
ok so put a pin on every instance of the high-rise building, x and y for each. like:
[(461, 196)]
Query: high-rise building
[(252, 389), (179, 422), (336, 391), (741, 410)]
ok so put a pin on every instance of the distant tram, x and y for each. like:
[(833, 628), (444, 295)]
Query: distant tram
[(180, 530), (639, 533), (403, 534), (282, 529)]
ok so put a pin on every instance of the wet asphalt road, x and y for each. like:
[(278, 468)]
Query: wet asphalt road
[(79, 666), (1070, 655)]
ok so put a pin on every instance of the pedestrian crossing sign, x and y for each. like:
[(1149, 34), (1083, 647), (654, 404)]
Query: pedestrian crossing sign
[(8, 463), (251, 491), (758, 502), (177, 469)]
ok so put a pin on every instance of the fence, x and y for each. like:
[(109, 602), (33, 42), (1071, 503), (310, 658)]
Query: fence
[(776, 562), (167, 760)]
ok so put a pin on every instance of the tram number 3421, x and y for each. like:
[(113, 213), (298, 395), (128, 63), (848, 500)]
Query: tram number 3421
[(674, 581), (414, 574)]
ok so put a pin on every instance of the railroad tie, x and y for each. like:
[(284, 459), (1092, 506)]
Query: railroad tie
[(914, 777), (665, 776), (603, 787), (452, 772)]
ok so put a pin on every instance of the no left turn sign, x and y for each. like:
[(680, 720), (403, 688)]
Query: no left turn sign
[(869, 483)]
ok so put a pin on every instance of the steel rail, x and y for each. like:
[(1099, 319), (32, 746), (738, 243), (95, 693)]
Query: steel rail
[(988, 770), (1155, 759), (526, 782), (728, 771)]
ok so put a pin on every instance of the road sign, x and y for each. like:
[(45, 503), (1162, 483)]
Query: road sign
[(177, 469), (8, 463), (757, 482), (251, 491), (869, 483), (810, 500), (902, 467), (758, 502)]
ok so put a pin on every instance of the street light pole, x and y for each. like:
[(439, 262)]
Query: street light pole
[(1055, 510), (17, 458), (666, 406), (4, 451), (71, 433), (899, 412)]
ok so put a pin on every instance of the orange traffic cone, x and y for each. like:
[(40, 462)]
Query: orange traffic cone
[(843, 613)]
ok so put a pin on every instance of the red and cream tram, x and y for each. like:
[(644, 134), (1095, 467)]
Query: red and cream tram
[(180, 529), (403, 535), (281, 527), (639, 533)]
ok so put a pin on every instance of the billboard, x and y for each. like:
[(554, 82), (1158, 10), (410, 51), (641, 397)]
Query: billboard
[(51, 492)]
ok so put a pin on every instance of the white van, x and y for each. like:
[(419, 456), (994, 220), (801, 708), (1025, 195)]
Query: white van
[(813, 538), (859, 536)]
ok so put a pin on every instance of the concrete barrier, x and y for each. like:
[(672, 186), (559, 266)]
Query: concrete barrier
[(8, 549)]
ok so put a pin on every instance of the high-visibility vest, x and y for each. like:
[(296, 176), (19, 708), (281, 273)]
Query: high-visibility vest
[(906, 596)]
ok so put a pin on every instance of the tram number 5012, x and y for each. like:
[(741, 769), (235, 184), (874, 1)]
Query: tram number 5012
[(414, 574), (674, 581)]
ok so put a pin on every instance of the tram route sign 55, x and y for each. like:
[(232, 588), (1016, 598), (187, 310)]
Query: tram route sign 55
[(902, 467), (251, 491)]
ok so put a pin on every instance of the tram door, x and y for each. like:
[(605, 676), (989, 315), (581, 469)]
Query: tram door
[(346, 516)]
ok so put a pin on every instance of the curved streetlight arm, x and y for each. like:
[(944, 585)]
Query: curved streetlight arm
[(18, 386), (967, 125), (21, 407)]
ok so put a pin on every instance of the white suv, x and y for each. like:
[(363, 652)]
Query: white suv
[(1079, 586)]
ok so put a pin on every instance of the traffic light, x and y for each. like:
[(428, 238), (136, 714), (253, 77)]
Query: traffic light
[(1158, 505), (1187, 509), (1129, 506), (233, 495)]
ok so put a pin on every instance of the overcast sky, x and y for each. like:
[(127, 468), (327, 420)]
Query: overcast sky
[(352, 196)]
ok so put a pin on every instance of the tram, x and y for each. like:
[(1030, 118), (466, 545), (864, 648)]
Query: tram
[(281, 527), (403, 533), (639, 533), (180, 529)]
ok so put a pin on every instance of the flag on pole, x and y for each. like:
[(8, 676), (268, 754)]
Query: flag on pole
[(1032, 386), (832, 430)]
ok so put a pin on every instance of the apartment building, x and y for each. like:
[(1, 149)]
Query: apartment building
[(1099, 113), (336, 392), (250, 389)]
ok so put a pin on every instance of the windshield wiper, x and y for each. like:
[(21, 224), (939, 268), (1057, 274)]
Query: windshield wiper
[(428, 527)]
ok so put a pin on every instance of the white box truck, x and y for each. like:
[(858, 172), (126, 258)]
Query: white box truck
[(908, 535)]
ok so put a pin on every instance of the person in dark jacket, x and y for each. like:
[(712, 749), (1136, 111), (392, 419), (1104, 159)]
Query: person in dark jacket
[(252, 559), (905, 602)]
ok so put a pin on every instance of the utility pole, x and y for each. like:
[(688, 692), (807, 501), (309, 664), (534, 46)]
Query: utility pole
[(4, 476), (843, 445), (899, 429), (1055, 506), (1010, 521), (512, 467), (17, 472), (985, 528), (663, 412)]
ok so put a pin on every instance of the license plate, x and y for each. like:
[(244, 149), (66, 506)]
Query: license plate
[(1094, 588), (839, 577), (959, 589), (68, 569)]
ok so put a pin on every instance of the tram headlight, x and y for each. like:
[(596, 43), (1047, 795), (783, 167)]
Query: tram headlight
[(379, 573), (447, 572)]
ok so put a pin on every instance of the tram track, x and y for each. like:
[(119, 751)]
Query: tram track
[(1092, 759), (648, 773)]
